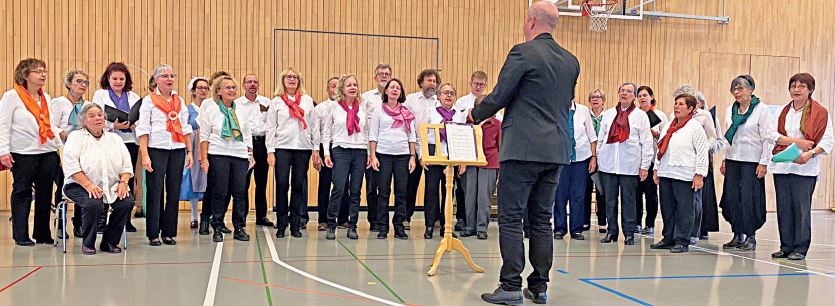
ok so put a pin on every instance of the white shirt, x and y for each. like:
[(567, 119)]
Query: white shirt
[(812, 167), (630, 156), (584, 134), (433, 117), (152, 122), (61, 108), (706, 120), (419, 105), (687, 153), (19, 131), (103, 160), (754, 139), (286, 132), (391, 141), (252, 110), (373, 101), (211, 125), (335, 129), (102, 98), (319, 113), (465, 103)]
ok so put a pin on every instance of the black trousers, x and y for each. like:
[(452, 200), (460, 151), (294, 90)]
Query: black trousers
[(646, 188), (325, 179), (460, 197), (36, 170), (677, 210), (433, 203), (92, 210), (615, 185), (743, 197), (165, 179), (412, 190), (526, 186), (261, 168), (394, 167), (600, 204), (291, 168), (228, 174), (794, 216), (348, 165), (372, 179)]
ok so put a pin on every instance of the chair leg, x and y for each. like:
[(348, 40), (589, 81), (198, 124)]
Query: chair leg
[(64, 225), (125, 234)]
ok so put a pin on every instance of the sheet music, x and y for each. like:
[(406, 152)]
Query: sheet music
[(461, 142)]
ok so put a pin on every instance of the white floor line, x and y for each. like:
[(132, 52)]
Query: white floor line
[(275, 258), (772, 240), (210, 289)]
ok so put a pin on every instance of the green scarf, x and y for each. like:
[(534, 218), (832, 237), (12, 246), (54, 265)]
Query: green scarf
[(231, 129), (737, 119)]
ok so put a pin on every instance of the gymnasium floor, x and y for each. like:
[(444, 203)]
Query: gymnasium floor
[(314, 271)]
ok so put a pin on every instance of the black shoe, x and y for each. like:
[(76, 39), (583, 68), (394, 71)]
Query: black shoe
[(481, 235), (352, 233), (88, 251), (279, 233), (26, 242), (296, 233), (703, 236), (578, 236), (264, 222), (382, 235), (154, 242), (780, 254), (630, 240), (194, 224), (169, 241), (467, 233), (678, 248), (558, 235), (331, 233), (427, 234), (130, 228), (204, 228), (796, 256), (218, 236), (240, 234), (225, 230), (459, 226), (601, 230), (537, 298), (735, 241), (400, 233), (109, 248), (609, 238), (45, 241), (750, 244), (500, 296), (662, 245)]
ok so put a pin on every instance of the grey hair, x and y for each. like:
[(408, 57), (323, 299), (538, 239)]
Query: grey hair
[(71, 75), (85, 108), (743, 80), (634, 87), (383, 66), (700, 96), (685, 89), (160, 68)]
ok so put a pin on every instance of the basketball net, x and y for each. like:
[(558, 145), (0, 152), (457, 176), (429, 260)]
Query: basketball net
[(598, 14)]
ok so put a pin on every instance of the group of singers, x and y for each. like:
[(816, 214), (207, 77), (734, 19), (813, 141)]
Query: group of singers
[(205, 146)]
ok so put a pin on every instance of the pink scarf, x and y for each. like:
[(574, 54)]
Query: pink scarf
[(401, 115), (352, 123)]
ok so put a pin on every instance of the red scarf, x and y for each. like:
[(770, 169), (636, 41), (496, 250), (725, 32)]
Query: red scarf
[(675, 126), (172, 113), (813, 123), (41, 113), (295, 110), (620, 126), (352, 122)]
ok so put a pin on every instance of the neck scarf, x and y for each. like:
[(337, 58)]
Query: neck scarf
[(620, 126), (41, 112), (401, 115), (352, 122), (120, 102), (231, 127), (675, 126), (813, 123), (447, 116), (76, 109), (737, 119), (293, 107), (571, 134), (595, 120), (172, 113)]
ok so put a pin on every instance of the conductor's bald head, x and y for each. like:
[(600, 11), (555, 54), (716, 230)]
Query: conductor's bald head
[(542, 18)]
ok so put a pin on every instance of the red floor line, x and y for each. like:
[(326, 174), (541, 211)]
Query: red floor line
[(350, 297), (130, 264), (20, 279)]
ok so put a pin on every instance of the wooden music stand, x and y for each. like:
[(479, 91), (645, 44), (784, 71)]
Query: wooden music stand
[(448, 243)]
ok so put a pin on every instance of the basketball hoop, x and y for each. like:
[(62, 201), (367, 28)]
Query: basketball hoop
[(598, 13)]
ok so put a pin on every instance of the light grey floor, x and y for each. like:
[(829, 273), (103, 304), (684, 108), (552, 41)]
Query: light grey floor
[(394, 272)]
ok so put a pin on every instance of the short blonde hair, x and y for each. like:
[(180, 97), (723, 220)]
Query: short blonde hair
[(339, 88), (71, 75), (602, 94), (24, 67), (216, 85), (280, 90)]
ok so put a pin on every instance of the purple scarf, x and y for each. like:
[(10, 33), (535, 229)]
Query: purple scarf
[(120, 102), (447, 115), (401, 115)]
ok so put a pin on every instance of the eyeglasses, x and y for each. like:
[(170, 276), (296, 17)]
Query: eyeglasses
[(251, 82), (291, 77), (448, 92), (39, 71), (202, 88), (230, 88), (595, 97), (479, 85), (799, 86), (81, 82), (167, 76), (624, 90), (738, 89), (383, 74)]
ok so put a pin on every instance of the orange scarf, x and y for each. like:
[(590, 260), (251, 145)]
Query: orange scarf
[(172, 111), (813, 123), (294, 109), (41, 113), (675, 126)]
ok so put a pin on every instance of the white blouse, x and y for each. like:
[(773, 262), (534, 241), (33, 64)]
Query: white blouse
[(812, 167), (102, 160), (754, 139), (211, 121), (391, 141), (102, 98), (335, 130), (152, 122), (286, 132), (19, 131), (584, 134), (630, 156), (687, 153), (61, 108), (252, 110)]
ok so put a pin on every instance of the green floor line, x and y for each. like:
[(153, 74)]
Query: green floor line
[(263, 271), (372, 273)]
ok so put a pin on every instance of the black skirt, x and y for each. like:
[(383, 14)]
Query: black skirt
[(743, 197), (710, 211)]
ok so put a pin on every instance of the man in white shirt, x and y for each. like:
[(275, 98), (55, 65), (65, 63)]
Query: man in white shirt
[(374, 100), (418, 103), (254, 107), (478, 85)]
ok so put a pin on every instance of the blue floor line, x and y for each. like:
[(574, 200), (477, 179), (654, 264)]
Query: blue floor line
[(615, 292), (563, 272)]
